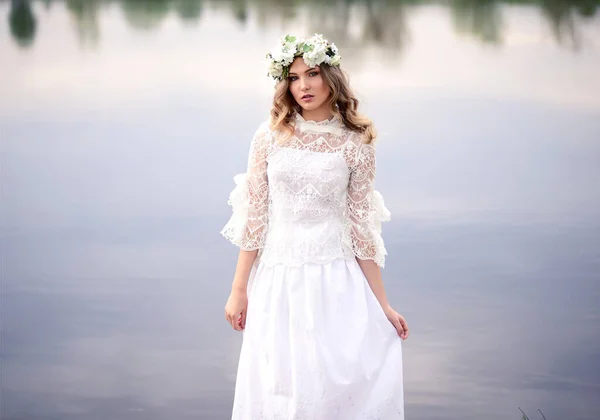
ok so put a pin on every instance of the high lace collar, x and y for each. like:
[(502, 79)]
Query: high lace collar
[(333, 125)]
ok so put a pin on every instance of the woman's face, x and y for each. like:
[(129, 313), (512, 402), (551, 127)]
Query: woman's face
[(307, 86)]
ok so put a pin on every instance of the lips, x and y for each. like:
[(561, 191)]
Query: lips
[(307, 97)]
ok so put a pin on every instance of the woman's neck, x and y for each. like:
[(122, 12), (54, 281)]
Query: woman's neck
[(318, 115)]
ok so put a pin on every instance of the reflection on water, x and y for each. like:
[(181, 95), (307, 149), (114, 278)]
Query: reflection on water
[(564, 22), (22, 22), (117, 148), (365, 21), (479, 18)]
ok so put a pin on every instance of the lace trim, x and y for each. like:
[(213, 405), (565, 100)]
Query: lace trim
[(365, 238), (333, 125), (247, 226)]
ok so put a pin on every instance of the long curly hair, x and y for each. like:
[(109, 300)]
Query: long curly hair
[(342, 101)]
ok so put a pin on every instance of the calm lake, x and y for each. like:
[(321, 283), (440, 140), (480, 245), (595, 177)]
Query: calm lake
[(122, 124)]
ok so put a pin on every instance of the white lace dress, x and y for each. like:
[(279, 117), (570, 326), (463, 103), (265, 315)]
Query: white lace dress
[(317, 345)]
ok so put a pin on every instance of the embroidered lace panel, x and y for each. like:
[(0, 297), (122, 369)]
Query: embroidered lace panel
[(310, 198)]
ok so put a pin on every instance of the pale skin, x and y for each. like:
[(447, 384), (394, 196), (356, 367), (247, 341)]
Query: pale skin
[(311, 92)]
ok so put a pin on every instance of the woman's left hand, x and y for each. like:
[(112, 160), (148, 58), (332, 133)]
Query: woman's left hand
[(398, 322)]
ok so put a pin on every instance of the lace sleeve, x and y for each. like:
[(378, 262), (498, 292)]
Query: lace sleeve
[(366, 209), (249, 199)]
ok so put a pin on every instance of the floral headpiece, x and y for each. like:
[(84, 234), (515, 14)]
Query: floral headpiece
[(315, 50)]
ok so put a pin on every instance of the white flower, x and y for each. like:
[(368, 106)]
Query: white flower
[(277, 52), (316, 39), (284, 53), (315, 51), (315, 57), (275, 70), (335, 60)]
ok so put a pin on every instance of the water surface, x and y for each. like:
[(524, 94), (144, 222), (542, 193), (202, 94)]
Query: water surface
[(122, 124)]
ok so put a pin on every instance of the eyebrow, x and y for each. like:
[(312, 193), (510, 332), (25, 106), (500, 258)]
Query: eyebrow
[(309, 70)]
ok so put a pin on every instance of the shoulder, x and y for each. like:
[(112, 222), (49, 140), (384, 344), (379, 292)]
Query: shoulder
[(358, 138), (264, 128), (263, 133), (357, 149)]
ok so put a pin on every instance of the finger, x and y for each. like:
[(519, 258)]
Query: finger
[(243, 319), (403, 322), (238, 322), (403, 335), (404, 327), (398, 326), (231, 320)]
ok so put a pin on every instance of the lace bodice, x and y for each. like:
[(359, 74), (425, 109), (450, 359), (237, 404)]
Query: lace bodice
[(310, 198)]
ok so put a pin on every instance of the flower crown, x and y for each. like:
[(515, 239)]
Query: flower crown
[(315, 50)]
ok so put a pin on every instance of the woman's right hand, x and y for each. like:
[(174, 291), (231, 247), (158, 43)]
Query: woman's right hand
[(235, 309)]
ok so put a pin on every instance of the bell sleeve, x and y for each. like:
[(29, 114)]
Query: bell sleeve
[(249, 200), (365, 208)]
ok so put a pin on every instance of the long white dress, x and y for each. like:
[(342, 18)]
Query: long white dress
[(317, 344)]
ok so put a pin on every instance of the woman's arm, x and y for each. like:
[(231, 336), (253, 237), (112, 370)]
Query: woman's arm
[(237, 303), (242, 270), (247, 226), (373, 274), (366, 212)]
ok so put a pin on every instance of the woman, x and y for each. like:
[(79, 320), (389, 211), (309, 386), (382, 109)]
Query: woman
[(321, 341)]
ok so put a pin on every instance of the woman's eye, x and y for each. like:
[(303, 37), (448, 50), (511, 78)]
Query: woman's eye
[(292, 78), (313, 73)]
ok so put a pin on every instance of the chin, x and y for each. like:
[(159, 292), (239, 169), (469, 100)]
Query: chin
[(311, 106)]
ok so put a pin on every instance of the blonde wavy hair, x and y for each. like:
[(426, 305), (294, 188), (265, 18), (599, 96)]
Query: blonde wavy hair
[(342, 101)]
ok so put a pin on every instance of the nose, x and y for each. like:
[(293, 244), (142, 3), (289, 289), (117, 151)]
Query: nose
[(304, 85)]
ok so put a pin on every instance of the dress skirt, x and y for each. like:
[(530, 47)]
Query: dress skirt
[(317, 346)]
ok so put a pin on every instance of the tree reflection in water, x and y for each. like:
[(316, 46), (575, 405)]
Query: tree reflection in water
[(352, 23), (85, 15), (22, 22), (479, 18)]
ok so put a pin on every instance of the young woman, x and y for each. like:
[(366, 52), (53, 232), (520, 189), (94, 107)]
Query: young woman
[(321, 341)]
